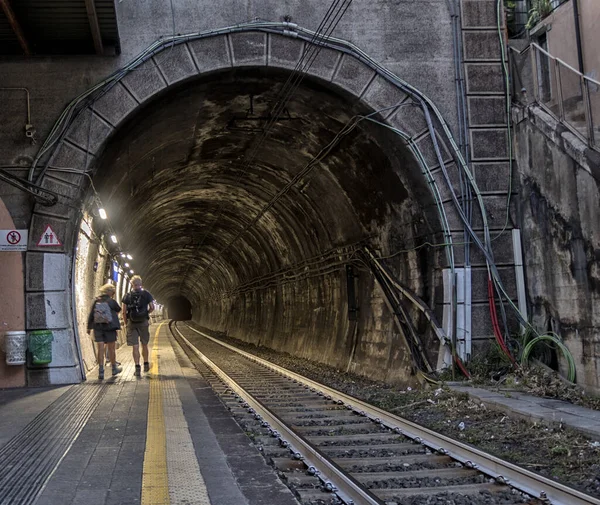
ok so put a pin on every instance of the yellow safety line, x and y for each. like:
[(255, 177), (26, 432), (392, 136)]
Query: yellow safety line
[(155, 480)]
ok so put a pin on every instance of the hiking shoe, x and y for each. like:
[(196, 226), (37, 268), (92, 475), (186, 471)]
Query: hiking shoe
[(138, 371), (116, 370), (146, 366), (100, 373)]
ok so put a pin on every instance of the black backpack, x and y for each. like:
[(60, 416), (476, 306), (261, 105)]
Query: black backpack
[(137, 310)]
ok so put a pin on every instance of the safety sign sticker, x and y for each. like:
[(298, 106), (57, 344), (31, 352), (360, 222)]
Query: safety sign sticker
[(49, 238), (13, 240)]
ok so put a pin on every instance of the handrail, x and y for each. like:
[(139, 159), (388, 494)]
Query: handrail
[(552, 81), (542, 50)]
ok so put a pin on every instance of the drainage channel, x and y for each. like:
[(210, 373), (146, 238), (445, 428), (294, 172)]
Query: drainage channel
[(332, 434)]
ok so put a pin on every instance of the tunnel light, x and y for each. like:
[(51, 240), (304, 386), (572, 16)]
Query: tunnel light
[(129, 257), (114, 239), (131, 271), (127, 265), (122, 255), (102, 213)]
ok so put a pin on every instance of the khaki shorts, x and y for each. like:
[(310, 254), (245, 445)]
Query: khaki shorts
[(137, 332)]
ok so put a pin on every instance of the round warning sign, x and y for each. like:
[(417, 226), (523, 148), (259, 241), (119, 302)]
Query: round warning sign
[(13, 237), (13, 240)]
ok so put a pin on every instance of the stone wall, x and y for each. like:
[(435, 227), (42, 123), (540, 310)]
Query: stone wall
[(560, 218), (412, 39)]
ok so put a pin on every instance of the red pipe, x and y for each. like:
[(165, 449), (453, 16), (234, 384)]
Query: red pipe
[(495, 324)]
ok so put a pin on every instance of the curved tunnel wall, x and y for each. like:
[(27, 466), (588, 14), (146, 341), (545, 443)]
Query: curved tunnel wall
[(366, 87), (263, 264)]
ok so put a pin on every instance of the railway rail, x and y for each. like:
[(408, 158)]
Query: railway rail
[(343, 447)]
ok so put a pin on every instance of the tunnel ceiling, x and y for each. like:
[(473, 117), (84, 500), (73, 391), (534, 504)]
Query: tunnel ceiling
[(182, 186)]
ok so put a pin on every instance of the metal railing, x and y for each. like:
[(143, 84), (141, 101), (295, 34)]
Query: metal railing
[(562, 91)]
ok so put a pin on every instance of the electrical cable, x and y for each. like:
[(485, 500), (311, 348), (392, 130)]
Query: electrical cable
[(508, 117), (290, 29), (327, 25)]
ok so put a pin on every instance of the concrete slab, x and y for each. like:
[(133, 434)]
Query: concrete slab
[(551, 411)]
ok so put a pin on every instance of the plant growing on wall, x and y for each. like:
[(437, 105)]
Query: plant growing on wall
[(539, 10)]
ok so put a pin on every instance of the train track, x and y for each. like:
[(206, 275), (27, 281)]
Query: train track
[(345, 450)]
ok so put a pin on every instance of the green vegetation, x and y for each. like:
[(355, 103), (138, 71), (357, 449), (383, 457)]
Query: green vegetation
[(539, 10)]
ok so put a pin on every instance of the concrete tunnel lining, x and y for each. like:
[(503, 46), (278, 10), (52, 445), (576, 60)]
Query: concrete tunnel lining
[(186, 205), (81, 152), (182, 207)]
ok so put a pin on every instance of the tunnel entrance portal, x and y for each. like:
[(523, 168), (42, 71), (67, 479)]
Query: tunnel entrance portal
[(258, 239), (261, 240)]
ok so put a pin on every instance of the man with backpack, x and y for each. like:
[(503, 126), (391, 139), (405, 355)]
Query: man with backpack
[(104, 320), (137, 306)]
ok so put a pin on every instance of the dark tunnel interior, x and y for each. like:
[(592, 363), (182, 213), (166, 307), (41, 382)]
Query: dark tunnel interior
[(179, 308), (250, 234)]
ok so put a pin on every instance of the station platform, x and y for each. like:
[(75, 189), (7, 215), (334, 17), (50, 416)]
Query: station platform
[(162, 438)]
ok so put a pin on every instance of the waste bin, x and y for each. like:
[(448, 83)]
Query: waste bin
[(40, 346), (15, 345)]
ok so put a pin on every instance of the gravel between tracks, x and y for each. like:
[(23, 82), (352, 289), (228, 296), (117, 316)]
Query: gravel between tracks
[(562, 454)]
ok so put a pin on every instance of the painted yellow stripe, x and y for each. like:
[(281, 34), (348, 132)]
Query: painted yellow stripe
[(155, 480)]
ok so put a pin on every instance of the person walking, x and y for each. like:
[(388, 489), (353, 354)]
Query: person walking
[(104, 320), (138, 304)]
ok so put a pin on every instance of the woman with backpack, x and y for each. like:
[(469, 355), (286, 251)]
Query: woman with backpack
[(104, 320)]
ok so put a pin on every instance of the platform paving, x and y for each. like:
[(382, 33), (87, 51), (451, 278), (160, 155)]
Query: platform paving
[(208, 459), (109, 462), (534, 408)]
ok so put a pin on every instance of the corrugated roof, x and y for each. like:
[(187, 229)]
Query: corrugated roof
[(59, 27)]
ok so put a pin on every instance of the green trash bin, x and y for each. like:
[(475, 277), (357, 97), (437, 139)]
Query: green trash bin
[(40, 347)]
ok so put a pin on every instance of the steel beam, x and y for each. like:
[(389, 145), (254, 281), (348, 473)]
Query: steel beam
[(15, 25), (90, 6)]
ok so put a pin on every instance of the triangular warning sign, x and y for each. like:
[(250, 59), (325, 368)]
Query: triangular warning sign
[(49, 238)]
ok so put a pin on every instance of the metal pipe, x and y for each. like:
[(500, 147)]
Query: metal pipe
[(28, 107), (578, 36), (519, 274)]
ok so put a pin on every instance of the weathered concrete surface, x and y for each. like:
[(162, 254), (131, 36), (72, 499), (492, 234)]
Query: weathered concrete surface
[(185, 163), (533, 408), (12, 303), (422, 55), (560, 217), (173, 178)]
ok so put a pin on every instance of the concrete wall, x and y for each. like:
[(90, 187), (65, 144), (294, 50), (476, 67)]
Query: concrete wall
[(560, 216), (412, 39), (93, 263), (590, 27), (309, 318), (422, 55), (12, 302), (560, 32)]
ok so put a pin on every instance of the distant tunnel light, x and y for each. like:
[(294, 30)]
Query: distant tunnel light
[(129, 257), (131, 271), (102, 213), (127, 265), (122, 255), (114, 239)]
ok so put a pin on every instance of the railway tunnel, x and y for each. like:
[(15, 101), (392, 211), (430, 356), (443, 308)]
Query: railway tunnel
[(361, 228), (363, 189), (258, 241)]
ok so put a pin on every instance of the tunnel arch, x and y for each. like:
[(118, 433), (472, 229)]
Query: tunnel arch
[(171, 66)]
